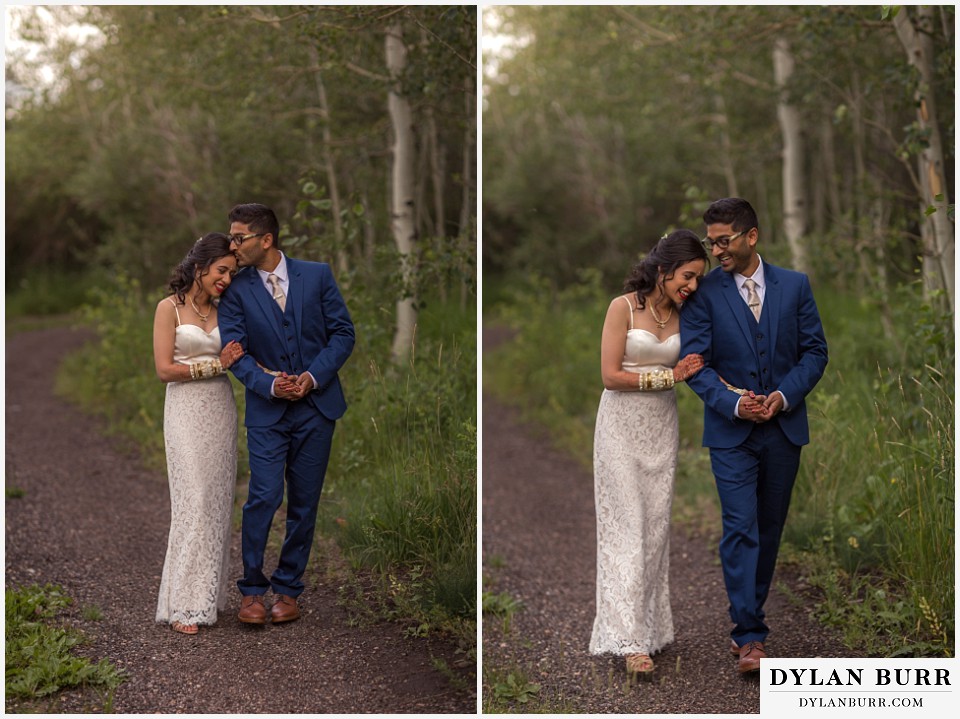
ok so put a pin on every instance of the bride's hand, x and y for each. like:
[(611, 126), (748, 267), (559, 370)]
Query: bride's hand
[(230, 353), (687, 367)]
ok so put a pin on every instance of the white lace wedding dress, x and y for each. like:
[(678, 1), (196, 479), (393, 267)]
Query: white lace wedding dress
[(635, 459), (200, 434)]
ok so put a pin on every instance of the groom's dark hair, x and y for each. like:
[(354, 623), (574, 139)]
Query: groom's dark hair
[(733, 211), (259, 218)]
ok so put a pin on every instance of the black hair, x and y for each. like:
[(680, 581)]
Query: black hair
[(733, 211), (205, 251), (258, 218), (673, 250)]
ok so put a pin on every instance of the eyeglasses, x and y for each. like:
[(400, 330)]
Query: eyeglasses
[(722, 242), (240, 239)]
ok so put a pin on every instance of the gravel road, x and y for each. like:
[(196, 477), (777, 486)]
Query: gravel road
[(539, 545), (94, 521)]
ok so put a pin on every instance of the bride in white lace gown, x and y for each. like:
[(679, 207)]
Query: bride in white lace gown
[(200, 436), (635, 451)]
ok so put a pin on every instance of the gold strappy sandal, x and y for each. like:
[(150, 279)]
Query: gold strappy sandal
[(641, 665), (184, 628)]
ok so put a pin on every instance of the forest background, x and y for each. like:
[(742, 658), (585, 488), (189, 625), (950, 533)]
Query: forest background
[(605, 127), (132, 130)]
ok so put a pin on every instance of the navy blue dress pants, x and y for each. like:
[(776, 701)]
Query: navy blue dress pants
[(754, 483), (293, 452)]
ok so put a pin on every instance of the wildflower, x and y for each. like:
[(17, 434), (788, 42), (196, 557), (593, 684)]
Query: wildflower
[(852, 541)]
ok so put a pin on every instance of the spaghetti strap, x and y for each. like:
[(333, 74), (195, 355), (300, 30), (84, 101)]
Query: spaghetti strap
[(175, 310), (624, 298)]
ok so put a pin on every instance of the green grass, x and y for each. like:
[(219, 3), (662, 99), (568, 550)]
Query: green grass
[(92, 613), (401, 494), (39, 652), (509, 690), (872, 518), (46, 300), (501, 605), (873, 513), (48, 292)]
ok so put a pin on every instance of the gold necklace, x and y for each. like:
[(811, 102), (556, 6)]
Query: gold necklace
[(203, 317), (656, 318)]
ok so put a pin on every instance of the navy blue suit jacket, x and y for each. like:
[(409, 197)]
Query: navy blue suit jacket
[(315, 335), (713, 323)]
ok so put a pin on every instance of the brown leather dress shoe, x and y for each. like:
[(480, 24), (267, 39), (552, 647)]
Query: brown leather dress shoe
[(252, 609), (734, 648), (284, 609), (750, 655)]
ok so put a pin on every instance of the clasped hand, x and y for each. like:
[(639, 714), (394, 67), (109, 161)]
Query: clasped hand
[(292, 387), (760, 408)]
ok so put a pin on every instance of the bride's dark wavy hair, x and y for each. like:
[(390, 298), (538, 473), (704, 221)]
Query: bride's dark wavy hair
[(672, 251), (205, 251)]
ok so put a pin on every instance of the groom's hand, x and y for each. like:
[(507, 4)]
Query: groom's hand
[(773, 404), (305, 383), (286, 387), (293, 387), (752, 407)]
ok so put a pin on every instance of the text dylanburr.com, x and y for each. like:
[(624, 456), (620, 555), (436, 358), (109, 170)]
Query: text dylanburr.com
[(858, 687)]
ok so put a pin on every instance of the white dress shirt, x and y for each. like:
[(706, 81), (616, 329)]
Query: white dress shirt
[(284, 281), (757, 278), (761, 286), (281, 272)]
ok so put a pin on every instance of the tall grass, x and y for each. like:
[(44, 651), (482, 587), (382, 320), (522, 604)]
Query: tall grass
[(48, 298), (48, 292), (875, 495), (400, 491), (872, 517), (402, 487)]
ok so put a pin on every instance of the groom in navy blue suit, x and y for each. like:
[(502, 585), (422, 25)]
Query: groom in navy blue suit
[(292, 322), (763, 347)]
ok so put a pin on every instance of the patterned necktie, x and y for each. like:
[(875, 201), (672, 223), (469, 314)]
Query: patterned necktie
[(753, 299), (277, 292)]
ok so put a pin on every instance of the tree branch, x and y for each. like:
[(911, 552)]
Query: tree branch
[(365, 73), (443, 42), (645, 28)]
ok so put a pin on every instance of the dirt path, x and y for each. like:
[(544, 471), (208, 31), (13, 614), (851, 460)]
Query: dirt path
[(539, 544), (95, 522)]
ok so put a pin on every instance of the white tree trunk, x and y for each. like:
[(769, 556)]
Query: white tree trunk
[(726, 146), (468, 202), (831, 175), (794, 195), (402, 219), (936, 229), (437, 173), (343, 263)]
